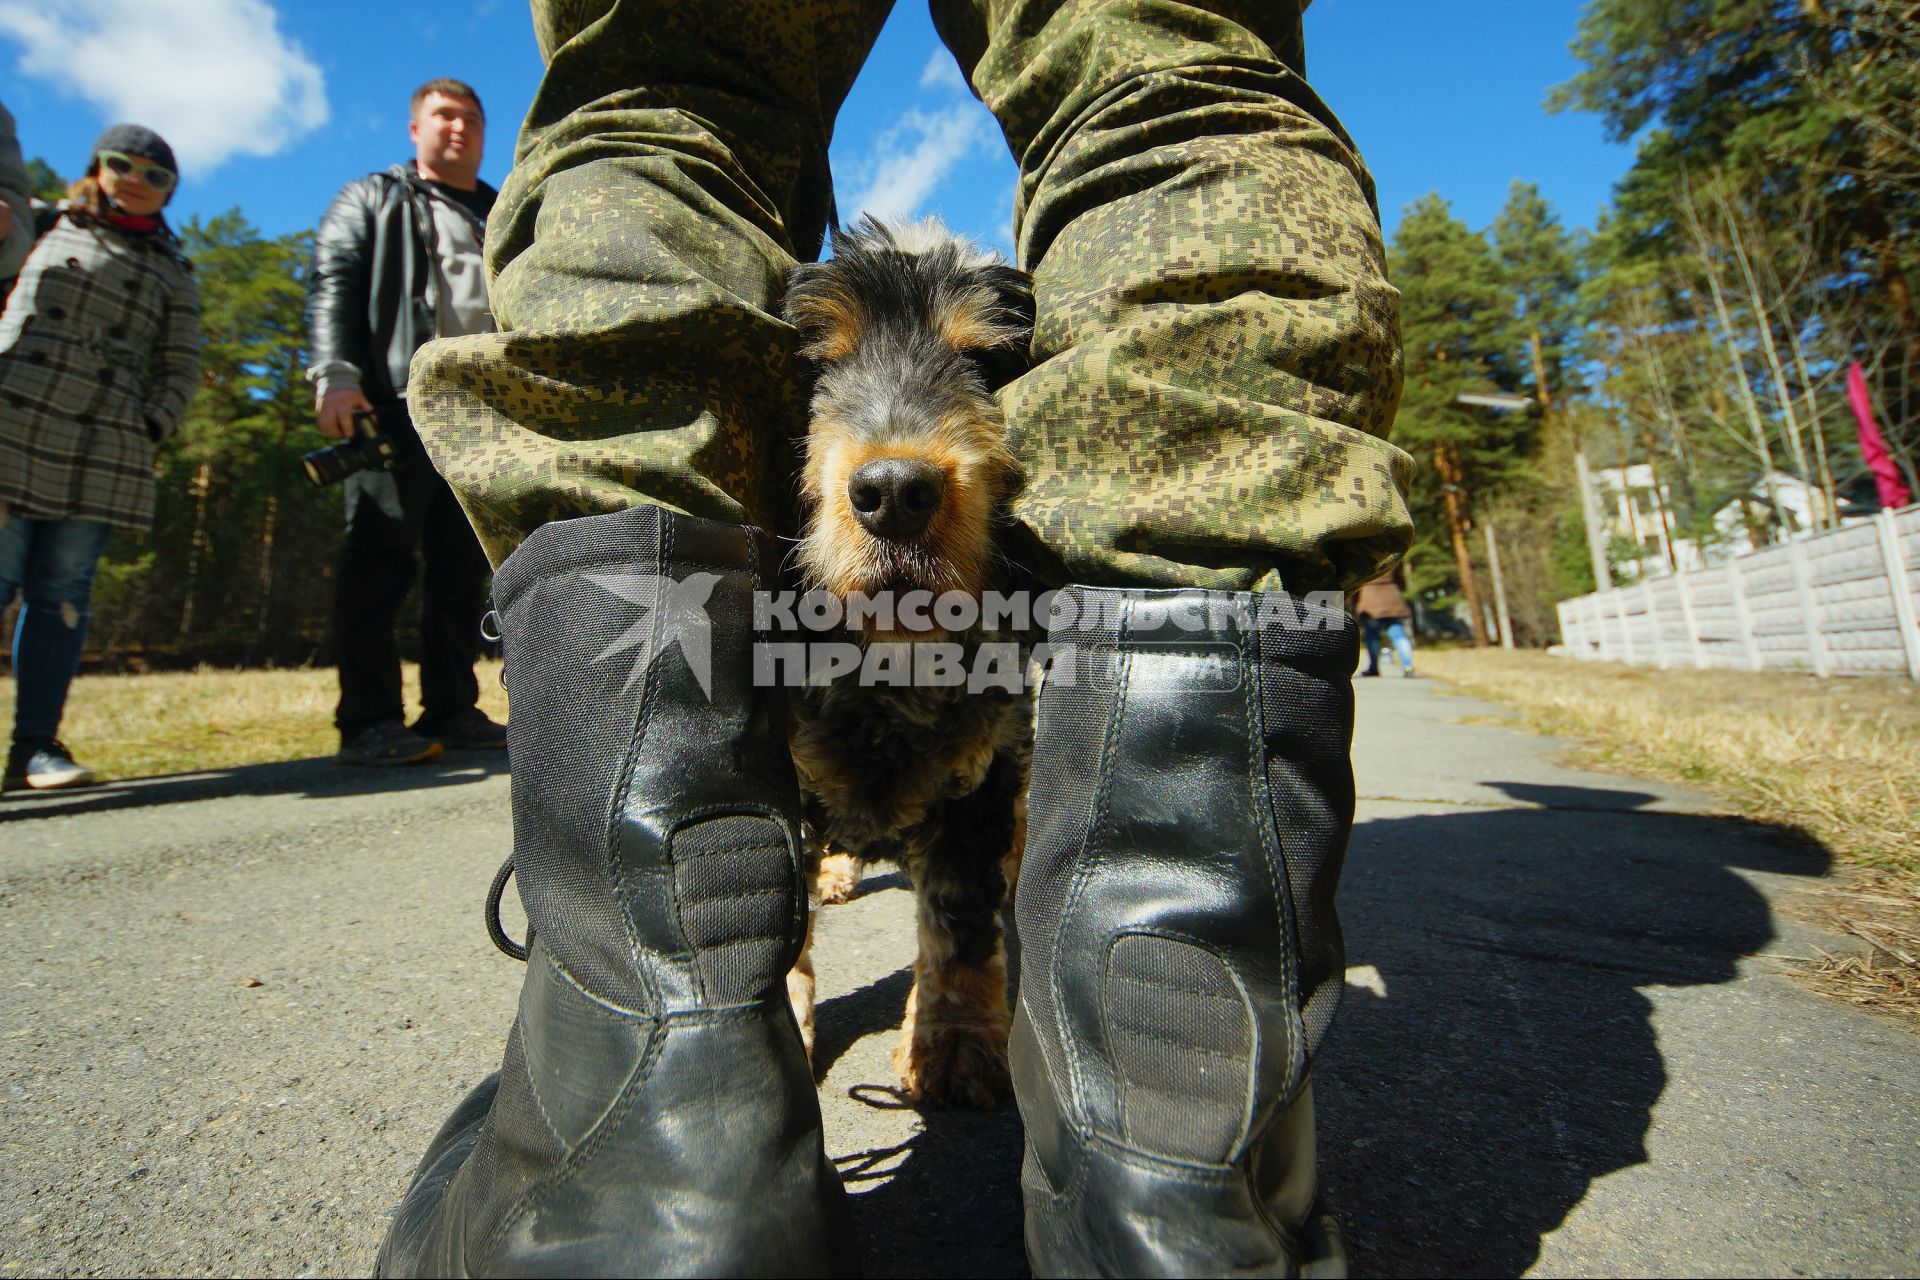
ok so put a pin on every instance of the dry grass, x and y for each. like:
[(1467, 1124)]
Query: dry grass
[(130, 726), (1883, 911), (1837, 759)]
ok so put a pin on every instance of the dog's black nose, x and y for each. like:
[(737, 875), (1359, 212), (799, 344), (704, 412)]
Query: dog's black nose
[(896, 497)]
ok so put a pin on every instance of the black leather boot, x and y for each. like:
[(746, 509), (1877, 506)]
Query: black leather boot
[(655, 1114), (1190, 805)]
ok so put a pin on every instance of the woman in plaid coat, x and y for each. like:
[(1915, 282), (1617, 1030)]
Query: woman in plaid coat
[(99, 355)]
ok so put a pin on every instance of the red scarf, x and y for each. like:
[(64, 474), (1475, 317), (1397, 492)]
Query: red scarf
[(133, 223)]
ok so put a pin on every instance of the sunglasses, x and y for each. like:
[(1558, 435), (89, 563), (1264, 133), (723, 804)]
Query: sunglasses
[(153, 175)]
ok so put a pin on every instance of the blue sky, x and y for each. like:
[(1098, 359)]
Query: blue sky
[(273, 103)]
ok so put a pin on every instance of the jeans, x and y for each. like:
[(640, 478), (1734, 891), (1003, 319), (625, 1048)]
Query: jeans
[(1396, 629), (50, 563), (390, 516)]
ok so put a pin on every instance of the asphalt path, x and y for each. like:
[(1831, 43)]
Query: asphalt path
[(238, 1004)]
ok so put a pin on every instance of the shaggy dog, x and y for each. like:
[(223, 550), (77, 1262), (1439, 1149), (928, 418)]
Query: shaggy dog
[(911, 331)]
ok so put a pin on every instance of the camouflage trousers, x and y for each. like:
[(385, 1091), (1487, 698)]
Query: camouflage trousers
[(1216, 347)]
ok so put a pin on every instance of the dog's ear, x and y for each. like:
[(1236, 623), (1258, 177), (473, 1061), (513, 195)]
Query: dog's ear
[(1013, 290), (1009, 320), (821, 306)]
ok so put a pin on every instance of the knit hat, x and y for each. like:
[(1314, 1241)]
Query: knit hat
[(134, 140)]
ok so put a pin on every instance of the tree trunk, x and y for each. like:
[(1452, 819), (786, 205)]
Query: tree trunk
[(1590, 514), (1664, 525), (1582, 475), (1831, 495), (1910, 321), (1704, 248), (266, 566), (1448, 468), (1902, 298), (202, 486), (1540, 391), (1499, 587), (1655, 365), (1763, 324)]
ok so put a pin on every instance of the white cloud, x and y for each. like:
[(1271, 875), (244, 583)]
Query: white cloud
[(215, 78), (912, 158), (942, 72)]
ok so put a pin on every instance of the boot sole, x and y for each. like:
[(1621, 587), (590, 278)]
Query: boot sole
[(434, 752), (86, 778)]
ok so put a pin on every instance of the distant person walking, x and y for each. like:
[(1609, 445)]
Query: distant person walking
[(1383, 607), (396, 263), (99, 356)]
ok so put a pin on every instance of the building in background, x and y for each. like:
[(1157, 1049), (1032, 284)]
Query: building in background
[(1640, 523), (1643, 529)]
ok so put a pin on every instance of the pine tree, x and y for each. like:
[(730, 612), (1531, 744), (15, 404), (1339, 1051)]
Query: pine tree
[(1808, 113), (1541, 263), (44, 182), (1458, 325)]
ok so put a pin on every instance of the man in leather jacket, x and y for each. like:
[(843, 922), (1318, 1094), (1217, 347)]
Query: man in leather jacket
[(396, 263)]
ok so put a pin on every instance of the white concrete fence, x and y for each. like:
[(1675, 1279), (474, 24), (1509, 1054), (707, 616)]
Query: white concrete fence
[(1838, 603)]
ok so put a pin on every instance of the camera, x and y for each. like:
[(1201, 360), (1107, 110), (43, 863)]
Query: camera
[(366, 448)]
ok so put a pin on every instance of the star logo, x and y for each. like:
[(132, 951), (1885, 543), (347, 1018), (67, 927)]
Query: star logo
[(681, 609)]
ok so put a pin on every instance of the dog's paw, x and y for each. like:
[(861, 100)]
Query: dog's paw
[(955, 1064), (838, 877)]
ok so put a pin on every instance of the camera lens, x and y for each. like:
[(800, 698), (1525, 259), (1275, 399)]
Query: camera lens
[(333, 464)]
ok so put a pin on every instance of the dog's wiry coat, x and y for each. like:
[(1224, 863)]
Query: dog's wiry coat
[(912, 331)]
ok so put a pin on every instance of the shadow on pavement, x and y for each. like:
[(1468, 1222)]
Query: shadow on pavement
[(1463, 1114), (880, 884), (840, 1021), (947, 1201), (317, 778), (944, 1203), (1512, 1061)]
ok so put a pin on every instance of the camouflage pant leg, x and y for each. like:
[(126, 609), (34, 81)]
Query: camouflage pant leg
[(1218, 337), (672, 166), (1219, 345)]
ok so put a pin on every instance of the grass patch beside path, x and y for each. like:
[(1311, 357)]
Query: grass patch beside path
[(1837, 759), (133, 726)]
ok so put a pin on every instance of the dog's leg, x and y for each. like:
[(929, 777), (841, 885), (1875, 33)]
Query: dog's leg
[(800, 989), (800, 977), (953, 1043), (838, 877)]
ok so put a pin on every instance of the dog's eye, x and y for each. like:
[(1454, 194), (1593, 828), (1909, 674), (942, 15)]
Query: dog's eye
[(997, 366)]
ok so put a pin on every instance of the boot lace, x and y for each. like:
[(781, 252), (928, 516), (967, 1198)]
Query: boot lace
[(496, 930)]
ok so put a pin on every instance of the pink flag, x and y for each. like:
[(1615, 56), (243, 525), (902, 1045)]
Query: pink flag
[(1873, 449)]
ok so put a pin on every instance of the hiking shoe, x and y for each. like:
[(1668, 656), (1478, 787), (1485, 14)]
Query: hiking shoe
[(470, 730), (388, 742), (45, 768)]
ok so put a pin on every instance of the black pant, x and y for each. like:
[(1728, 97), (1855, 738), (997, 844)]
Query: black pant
[(376, 572)]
